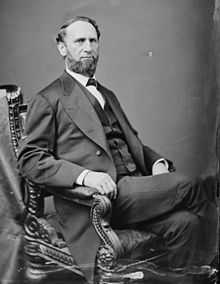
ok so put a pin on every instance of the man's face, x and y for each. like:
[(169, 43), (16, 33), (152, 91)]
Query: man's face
[(81, 48)]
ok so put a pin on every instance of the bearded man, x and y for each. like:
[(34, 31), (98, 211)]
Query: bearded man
[(78, 134)]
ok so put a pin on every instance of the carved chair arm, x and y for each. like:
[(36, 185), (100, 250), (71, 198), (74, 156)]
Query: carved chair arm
[(101, 209)]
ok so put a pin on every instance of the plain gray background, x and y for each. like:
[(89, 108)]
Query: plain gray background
[(155, 54)]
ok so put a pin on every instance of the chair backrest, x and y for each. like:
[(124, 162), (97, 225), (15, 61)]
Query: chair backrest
[(16, 114), (11, 182), (33, 195), (12, 209)]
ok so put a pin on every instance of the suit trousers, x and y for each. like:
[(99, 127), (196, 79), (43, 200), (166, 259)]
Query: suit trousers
[(182, 211)]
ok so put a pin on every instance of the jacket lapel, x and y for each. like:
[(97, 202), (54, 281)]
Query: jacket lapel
[(81, 112)]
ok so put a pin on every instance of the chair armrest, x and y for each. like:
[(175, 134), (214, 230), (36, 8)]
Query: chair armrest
[(80, 194), (100, 212)]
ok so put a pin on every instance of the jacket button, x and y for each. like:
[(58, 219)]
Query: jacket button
[(98, 153)]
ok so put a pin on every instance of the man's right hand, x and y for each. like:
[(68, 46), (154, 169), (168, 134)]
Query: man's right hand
[(102, 182)]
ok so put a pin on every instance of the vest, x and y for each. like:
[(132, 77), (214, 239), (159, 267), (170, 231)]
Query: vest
[(118, 146)]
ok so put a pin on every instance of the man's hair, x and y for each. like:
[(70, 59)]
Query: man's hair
[(62, 31)]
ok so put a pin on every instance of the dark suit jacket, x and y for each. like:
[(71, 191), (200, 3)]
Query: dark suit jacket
[(64, 136)]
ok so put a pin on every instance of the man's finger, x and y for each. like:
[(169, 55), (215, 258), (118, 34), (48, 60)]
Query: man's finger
[(101, 190), (109, 189), (115, 192)]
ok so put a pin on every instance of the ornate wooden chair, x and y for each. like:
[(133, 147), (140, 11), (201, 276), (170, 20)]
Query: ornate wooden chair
[(124, 255)]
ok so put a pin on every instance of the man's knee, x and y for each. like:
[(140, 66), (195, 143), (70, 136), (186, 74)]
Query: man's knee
[(186, 220), (181, 179), (183, 225)]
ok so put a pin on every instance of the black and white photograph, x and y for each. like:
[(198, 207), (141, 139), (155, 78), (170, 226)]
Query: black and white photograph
[(109, 141)]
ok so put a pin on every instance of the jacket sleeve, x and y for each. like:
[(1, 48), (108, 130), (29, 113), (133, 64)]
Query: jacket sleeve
[(37, 159)]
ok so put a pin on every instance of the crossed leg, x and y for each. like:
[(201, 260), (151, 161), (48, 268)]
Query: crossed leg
[(174, 207)]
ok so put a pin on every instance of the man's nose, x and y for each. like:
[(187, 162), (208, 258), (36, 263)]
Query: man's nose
[(87, 45)]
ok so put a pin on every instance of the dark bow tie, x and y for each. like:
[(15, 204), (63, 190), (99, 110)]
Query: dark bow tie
[(92, 82)]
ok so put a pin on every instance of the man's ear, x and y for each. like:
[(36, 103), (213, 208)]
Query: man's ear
[(62, 49)]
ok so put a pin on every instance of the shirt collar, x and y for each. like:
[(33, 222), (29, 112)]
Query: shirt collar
[(79, 77)]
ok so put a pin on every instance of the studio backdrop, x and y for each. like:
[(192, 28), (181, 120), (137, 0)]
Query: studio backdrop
[(157, 55)]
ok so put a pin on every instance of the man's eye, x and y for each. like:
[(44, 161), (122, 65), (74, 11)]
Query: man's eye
[(80, 40), (93, 40)]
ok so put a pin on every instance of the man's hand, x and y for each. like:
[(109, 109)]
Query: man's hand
[(102, 182)]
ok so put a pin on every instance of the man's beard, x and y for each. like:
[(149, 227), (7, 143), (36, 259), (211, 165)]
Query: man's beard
[(84, 67)]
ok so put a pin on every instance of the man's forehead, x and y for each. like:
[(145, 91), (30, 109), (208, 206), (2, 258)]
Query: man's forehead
[(80, 28)]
